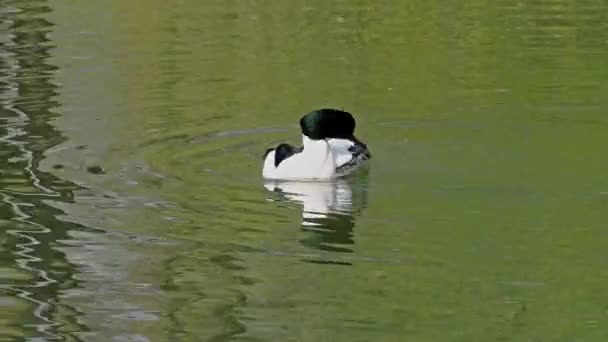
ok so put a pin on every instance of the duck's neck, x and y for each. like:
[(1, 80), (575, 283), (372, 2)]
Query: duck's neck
[(318, 157), (317, 150), (316, 147)]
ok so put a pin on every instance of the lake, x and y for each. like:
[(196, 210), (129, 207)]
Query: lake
[(133, 207)]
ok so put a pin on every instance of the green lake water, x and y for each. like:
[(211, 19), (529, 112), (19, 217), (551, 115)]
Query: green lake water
[(132, 205)]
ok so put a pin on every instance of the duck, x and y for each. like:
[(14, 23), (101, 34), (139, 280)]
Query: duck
[(329, 149)]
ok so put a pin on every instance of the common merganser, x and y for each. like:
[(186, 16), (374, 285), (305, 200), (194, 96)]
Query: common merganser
[(329, 149)]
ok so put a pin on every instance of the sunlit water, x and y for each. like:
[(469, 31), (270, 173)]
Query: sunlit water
[(133, 207)]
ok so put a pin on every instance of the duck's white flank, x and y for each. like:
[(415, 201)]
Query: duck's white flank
[(315, 162)]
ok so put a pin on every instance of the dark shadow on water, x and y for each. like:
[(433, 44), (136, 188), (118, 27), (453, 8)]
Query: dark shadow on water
[(30, 228), (329, 211)]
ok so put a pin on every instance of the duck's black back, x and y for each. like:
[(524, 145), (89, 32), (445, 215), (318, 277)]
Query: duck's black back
[(284, 151)]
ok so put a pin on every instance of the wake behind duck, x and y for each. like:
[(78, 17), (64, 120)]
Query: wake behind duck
[(329, 149)]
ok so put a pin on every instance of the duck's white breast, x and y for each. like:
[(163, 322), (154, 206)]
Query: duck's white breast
[(346, 161), (340, 149)]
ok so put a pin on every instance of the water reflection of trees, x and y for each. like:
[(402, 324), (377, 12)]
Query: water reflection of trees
[(30, 228)]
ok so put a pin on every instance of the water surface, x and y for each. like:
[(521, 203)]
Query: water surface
[(133, 208)]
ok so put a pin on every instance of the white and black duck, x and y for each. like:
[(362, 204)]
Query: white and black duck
[(329, 149)]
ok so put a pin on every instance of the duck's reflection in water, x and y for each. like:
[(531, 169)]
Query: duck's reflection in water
[(329, 210)]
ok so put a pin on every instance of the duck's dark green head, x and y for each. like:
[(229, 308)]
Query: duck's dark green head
[(328, 123)]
